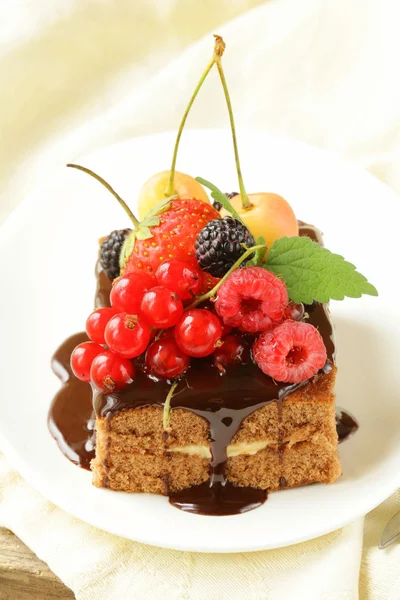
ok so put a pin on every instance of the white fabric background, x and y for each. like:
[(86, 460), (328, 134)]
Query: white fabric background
[(76, 75)]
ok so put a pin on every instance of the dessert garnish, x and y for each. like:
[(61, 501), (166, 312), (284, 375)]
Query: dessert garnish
[(210, 356)]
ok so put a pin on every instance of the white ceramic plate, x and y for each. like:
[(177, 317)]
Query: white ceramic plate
[(47, 252)]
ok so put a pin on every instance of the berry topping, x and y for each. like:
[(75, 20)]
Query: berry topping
[(96, 323), (198, 332), (152, 191), (173, 237), (252, 299), (293, 311), (127, 293), (220, 244), (110, 250), (217, 205), (82, 358), (180, 277), (233, 351), (127, 335), (110, 372), (165, 359), (161, 307), (291, 353), (226, 329)]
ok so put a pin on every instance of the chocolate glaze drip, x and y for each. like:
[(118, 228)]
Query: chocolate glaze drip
[(103, 287), (71, 417), (224, 401), (346, 424)]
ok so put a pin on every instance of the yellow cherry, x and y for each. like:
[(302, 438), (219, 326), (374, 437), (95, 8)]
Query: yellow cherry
[(269, 216), (153, 190), (167, 183), (265, 214)]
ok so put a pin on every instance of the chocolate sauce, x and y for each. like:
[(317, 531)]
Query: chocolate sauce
[(218, 500), (346, 424), (224, 401), (71, 417), (103, 287)]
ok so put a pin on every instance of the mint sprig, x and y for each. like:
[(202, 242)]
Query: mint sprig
[(259, 254), (311, 272), (220, 197)]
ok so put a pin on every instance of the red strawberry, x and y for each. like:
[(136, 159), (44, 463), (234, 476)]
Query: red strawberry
[(170, 233)]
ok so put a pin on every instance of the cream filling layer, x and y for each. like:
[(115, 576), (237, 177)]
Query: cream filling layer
[(246, 448), (232, 449)]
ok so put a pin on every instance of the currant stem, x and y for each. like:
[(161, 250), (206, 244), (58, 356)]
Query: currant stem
[(167, 405), (215, 289), (245, 199), (110, 189), (218, 51)]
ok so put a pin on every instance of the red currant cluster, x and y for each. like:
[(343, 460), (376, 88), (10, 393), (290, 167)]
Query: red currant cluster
[(151, 315), (147, 315)]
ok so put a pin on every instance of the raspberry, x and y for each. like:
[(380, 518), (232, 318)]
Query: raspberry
[(252, 299), (291, 353), (220, 244)]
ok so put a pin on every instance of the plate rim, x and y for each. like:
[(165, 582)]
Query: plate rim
[(16, 460)]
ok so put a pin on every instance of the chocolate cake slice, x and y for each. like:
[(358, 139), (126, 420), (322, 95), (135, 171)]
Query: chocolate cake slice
[(230, 438)]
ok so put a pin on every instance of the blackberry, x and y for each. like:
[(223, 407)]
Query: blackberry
[(217, 205), (219, 245), (110, 250)]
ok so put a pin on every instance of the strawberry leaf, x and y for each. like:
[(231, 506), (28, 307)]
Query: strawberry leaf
[(127, 248), (143, 231), (220, 197), (314, 273)]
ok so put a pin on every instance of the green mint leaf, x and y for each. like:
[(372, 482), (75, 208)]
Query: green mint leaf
[(259, 254), (127, 249), (220, 197), (311, 272)]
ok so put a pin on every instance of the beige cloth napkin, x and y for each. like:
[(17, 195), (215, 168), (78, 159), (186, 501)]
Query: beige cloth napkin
[(76, 75)]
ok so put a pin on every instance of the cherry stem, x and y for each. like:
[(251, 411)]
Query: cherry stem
[(215, 289), (219, 48), (167, 405), (110, 189), (245, 199)]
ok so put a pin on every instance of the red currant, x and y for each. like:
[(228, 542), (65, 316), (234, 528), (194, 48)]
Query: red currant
[(96, 323), (161, 307), (198, 332), (293, 311), (127, 335), (180, 277), (110, 372), (127, 292), (82, 358), (226, 329), (234, 351), (165, 359)]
